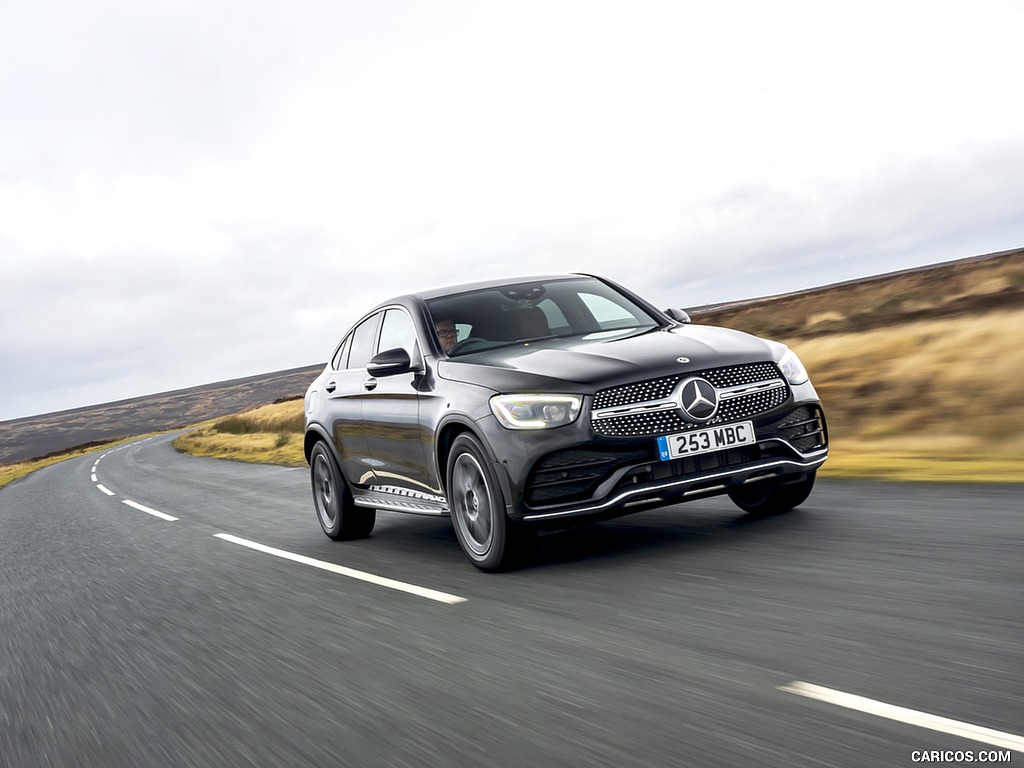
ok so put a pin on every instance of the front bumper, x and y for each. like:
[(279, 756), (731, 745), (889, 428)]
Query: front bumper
[(683, 487), (606, 477)]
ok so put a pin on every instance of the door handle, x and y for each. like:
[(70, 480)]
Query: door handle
[(370, 384), (331, 386)]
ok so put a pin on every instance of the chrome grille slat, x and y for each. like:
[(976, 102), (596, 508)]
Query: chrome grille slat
[(644, 408)]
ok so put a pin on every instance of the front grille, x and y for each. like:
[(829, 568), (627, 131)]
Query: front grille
[(658, 389), (668, 421)]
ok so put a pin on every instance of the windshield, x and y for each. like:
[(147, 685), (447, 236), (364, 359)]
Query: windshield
[(520, 312)]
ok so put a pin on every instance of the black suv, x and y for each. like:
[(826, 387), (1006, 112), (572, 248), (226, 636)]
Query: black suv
[(546, 401)]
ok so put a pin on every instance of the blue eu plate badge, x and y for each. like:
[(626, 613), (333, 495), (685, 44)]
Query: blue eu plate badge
[(663, 452)]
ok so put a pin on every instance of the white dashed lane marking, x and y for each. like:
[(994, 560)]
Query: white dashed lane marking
[(149, 510), (909, 716), (129, 502), (341, 570)]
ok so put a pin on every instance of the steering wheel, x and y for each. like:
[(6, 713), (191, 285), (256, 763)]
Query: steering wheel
[(466, 343)]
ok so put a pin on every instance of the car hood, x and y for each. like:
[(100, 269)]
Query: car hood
[(586, 365)]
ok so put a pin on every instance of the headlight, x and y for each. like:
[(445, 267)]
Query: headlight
[(792, 368), (536, 411)]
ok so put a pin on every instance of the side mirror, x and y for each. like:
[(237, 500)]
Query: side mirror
[(678, 315), (390, 362)]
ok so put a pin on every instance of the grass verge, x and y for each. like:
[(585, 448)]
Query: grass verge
[(923, 464), (271, 434)]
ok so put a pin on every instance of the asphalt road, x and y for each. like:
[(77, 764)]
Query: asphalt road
[(670, 638)]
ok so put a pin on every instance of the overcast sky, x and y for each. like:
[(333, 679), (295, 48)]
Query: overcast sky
[(197, 191)]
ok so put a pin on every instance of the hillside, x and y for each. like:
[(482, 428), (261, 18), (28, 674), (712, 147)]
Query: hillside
[(959, 289), (919, 370), (36, 436)]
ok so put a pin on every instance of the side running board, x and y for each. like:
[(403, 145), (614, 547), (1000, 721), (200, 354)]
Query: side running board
[(400, 500)]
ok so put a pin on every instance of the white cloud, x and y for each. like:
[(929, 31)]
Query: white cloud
[(195, 191)]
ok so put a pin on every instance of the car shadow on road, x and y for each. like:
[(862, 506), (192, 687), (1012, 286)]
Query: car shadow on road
[(640, 537), (668, 532)]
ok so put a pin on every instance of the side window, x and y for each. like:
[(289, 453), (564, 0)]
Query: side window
[(607, 313), (340, 360), (362, 342), (397, 331)]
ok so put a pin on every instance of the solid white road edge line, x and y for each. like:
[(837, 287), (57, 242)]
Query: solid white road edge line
[(412, 589), (104, 489), (909, 716), (148, 510)]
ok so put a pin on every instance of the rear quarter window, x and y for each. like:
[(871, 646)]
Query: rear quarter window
[(340, 360)]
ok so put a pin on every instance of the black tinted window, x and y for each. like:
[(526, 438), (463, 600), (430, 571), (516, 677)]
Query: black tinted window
[(521, 312), (362, 342)]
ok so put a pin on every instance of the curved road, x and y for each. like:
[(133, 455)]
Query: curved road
[(209, 622)]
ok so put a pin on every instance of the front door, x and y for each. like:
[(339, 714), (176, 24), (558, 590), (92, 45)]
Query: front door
[(345, 394), (391, 412)]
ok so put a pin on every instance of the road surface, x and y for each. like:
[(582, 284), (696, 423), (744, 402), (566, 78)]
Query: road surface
[(162, 610)]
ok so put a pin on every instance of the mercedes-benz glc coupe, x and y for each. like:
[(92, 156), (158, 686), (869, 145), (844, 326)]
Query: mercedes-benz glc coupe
[(542, 402)]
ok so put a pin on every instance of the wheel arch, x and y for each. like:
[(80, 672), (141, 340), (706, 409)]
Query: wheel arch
[(443, 446), (314, 434), (446, 436)]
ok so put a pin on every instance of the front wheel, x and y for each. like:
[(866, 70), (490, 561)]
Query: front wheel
[(340, 518), (767, 498), (478, 506)]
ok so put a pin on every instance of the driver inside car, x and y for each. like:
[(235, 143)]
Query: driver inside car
[(446, 334)]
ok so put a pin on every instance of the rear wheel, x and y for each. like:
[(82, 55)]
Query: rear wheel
[(340, 518), (478, 507), (768, 498)]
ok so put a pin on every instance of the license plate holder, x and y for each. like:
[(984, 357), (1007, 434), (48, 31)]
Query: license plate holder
[(707, 440)]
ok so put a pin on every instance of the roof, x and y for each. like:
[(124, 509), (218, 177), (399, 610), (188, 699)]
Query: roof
[(451, 290)]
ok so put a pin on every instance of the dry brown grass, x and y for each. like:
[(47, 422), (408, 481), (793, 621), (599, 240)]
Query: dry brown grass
[(929, 399), (271, 434)]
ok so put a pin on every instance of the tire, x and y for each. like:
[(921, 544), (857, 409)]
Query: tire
[(766, 498), (478, 507), (340, 518)]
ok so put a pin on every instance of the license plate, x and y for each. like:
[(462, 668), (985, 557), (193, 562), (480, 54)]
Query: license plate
[(706, 440)]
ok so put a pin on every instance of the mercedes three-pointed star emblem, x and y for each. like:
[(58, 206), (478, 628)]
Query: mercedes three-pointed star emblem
[(698, 398)]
